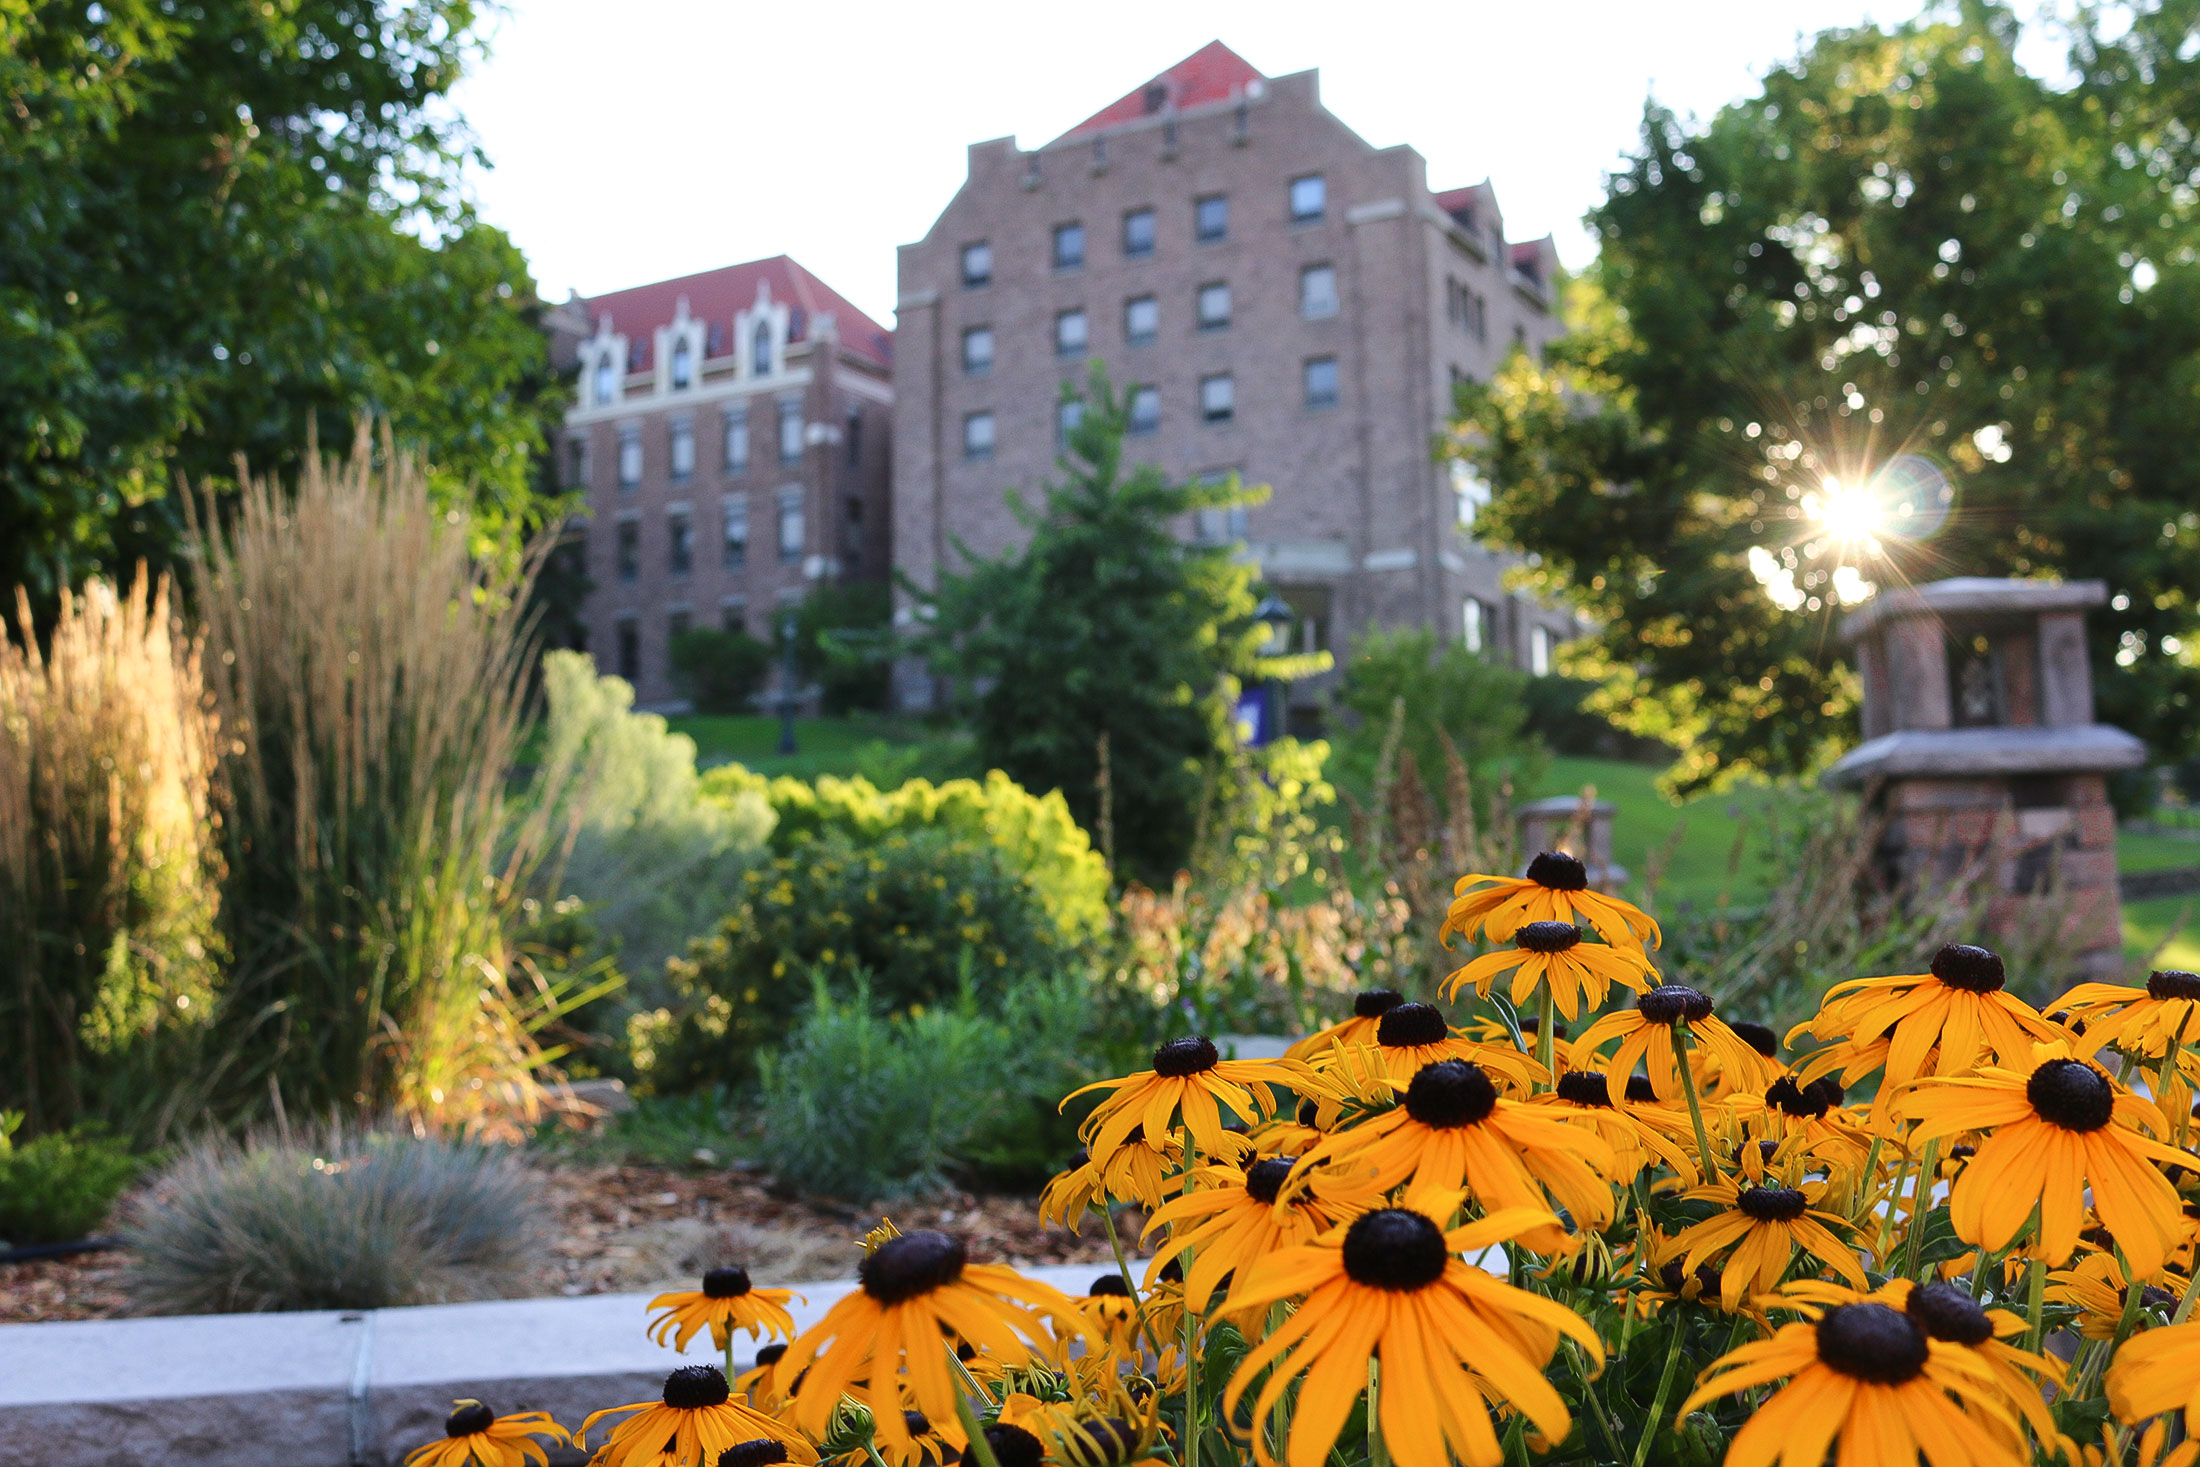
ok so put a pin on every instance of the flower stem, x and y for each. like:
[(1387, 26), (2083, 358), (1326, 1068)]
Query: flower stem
[(1546, 1035), (1590, 1401), (2035, 1293), (1926, 1176), (1885, 1228), (1378, 1450), (1867, 1186), (2168, 1072), (1190, 1454), (1665, 1385), (1122, 1266), (1681, 1038), (870, 1449), (980, 1448)]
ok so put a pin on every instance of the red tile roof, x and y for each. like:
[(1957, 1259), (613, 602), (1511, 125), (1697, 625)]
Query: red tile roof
[(1213, 73), (716, 295)]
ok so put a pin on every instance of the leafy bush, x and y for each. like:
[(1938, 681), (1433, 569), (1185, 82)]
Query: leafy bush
[(914, 918), (1036, 836), (719, 672), (61, 1186), (1445, 693), (841, 643), (862, 1106), (342, 1220)]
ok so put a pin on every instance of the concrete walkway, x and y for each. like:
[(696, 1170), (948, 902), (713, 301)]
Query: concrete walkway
[(334, 1389)]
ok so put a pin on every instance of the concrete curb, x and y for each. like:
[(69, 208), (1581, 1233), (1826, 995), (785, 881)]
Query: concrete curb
[(329, 1389)]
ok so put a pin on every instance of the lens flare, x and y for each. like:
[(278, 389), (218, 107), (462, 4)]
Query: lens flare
[(1850, 514), (1917, 496)]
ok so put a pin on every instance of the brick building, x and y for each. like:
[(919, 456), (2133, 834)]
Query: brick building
[(732, 431), (1280, 300)]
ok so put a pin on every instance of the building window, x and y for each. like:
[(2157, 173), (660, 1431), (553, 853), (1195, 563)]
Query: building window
[(733, 616), (977, 265), (977, 435), (1141, 320), (1214, 306), (1539, 651), (683, 450), (679, 545), (1309, 198), (1219, 524), (1321, 382), (683, 365), (1471, 632), (1217, 398), (790, 432), (1211, 218), (630, 457), (677, 624), (1067, 415), (1069, 246), (737, 440), (977, 351), (733, 542), (1469, 492), (1070, 334), (760, 361), (607, 384), (1318, 292), (1145, 414), (1138, 233), (630, 550), (630, 650), (576, 462), (852, 437), (790, 525)]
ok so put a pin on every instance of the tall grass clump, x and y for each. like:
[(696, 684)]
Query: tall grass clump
[(109, 863), (343, 1219), (373, 675)]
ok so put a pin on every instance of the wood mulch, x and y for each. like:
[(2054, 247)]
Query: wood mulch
[(626, 1228)]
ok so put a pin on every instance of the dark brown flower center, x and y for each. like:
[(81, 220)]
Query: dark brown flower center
[(2173, 983), (1373, 1003), (762, 1452), (1831, 1088), (726, 1283), (1585, 1087), (1709, 1279), (1871, 1342), (1547, 937), (1013, 1446), (468, 1419), (2071, 1095), (1108, 1286), (1180, 1057), (1449, 1094), (1108, 1442), (1264, 1179), (916, 1423), (1078, 1160), (1309, 1115), (1393, 1248), (1771, 1204), (1557, 871), (1948, 1313), (1758, 1037), (770, 1354), (912, 1264), (1533, 1024), (1412, 1024), (1972, 969), (1640, 1091), (1792, 1099), (1673, 1003), (693, 1387)]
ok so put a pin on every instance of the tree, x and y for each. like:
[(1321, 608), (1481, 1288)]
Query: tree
[(1107, 624), (1909, 312), (222, 223), (842, 642)]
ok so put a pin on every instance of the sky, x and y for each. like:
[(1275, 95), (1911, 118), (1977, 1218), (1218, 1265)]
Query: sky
[(641, 140)]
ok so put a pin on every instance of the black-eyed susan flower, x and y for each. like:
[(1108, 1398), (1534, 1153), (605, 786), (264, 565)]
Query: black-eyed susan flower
[(474, 1433), (1755, 1234), (885, 1343), (1415, 1035), (1551, 956), (1368, 1008), (696, 1420), (762, 1452), (1141, 1170), (1234, 1217), (2096, 1287), (2145, 1021), (1805, 1120), (1637, 1135), (1869, 1377), (1454, 1131), (1555, 888), (2157, 1371), (2154, 1449), (1390, 1286), (1942, 1022), (1188, 1085), (1111, 1313), (1644, 1034), (757, 1385), (920, 1445), (727, 1302), (2054, 1128)]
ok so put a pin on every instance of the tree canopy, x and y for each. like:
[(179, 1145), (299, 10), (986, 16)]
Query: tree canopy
[(1908, 312), (224, 222)]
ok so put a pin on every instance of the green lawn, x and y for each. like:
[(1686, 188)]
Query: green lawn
[(886, 750)]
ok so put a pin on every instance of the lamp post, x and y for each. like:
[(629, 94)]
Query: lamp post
[(1275, 614), (786, 682)]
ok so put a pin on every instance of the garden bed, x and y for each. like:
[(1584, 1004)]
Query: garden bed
[(627, 1228)]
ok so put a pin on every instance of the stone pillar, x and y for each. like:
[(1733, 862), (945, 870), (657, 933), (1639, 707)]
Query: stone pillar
[(1547, 825)]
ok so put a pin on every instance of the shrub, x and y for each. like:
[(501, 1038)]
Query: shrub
[(862, 1106), (719, 672), (1036, 836), (109, 867), (60, 1186), (1445, 693), (914, 918), (341, 1220), (841, 643)]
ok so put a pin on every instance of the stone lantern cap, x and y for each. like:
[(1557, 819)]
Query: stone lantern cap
[(1961, 598), (1971, 753)]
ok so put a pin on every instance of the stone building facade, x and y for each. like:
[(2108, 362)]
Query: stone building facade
[(732, 432), (1281, 300)]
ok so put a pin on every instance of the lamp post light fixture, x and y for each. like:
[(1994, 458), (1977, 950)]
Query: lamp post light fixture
[(786, 683)]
